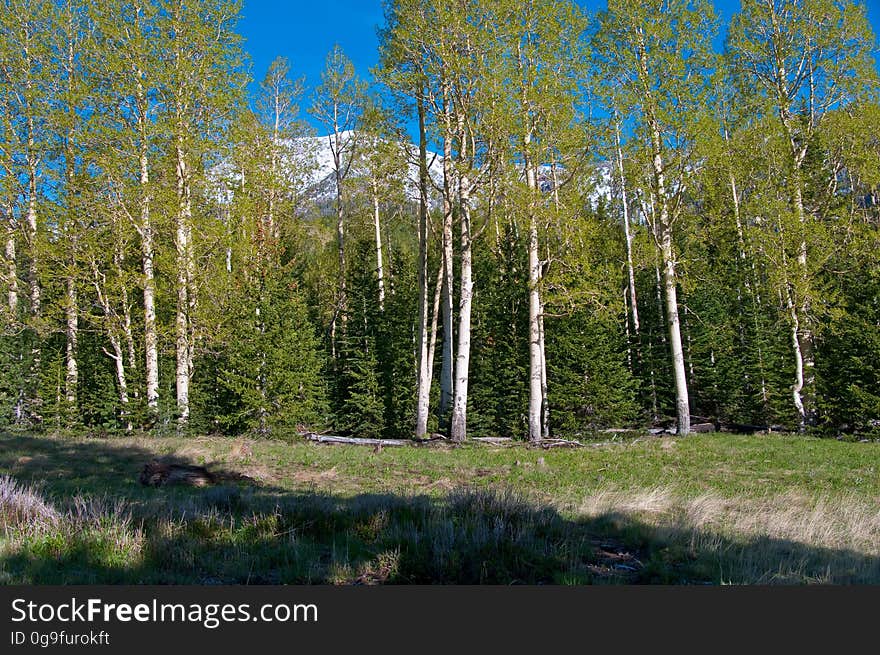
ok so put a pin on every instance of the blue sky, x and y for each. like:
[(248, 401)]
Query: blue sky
[(304, 32)]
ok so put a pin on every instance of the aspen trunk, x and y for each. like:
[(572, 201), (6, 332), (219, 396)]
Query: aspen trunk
[(377, 225), (536, 361), (32, 401), (537, 374), (151, 340), (803, 389), (121, 381), (111, 318), (11, 266), (664, 232), (129, 337), (798, 386), (682, 402), (463, 352), (538, 414), (71, 310), (805, 363), (630, 271), (31, 220), (446, 366), (425, 352), (33, 267), (10, 226), (126, 325), (795, 317), (181, 324)]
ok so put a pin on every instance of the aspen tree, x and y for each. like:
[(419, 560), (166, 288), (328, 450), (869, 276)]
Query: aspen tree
[(656, 57)]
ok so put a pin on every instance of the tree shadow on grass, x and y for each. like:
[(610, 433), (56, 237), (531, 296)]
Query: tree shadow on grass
[(101, 467), (235, 534)]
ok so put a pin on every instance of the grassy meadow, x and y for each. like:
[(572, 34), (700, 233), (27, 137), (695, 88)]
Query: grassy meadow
[(706, 509)]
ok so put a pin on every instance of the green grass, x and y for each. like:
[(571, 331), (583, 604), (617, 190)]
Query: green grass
[(706, 509)]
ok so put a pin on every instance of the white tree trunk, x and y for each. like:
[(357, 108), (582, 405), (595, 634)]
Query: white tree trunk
[(11, 266), (112, 326), (631, 277), (32, 400), (663, 227), (537, 374), (118, 256), (425, 352), (463, 352), (798, 386), (682, 402), (121, 381), (805, 352), (71, 311), (151, 340), (31, 222), (446, 365), (377, 226), (182, 319)]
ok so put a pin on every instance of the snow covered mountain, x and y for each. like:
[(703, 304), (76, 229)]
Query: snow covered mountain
[(307, 164), (317, 159)]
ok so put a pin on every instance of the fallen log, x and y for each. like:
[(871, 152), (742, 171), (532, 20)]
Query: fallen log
[(158, 473), (547, 444), (330, 438), (495, 440)]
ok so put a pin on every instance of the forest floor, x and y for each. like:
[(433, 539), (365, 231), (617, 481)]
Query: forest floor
[(706, 509)]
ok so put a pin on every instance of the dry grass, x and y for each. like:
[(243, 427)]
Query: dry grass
[(779, 538), (22, 506)]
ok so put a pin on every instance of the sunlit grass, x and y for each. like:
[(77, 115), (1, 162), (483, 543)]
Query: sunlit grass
[(706, 509)]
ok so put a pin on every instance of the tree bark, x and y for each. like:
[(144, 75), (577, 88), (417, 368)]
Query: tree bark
[(11, 266), (805, 380), (71, 311), (664, 230), (446, 366), (425, 352), (182, 319), (151, 340), (115, 343), (463, 352), (630, 271), (537, 374), (377, 225), (682, 402)]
